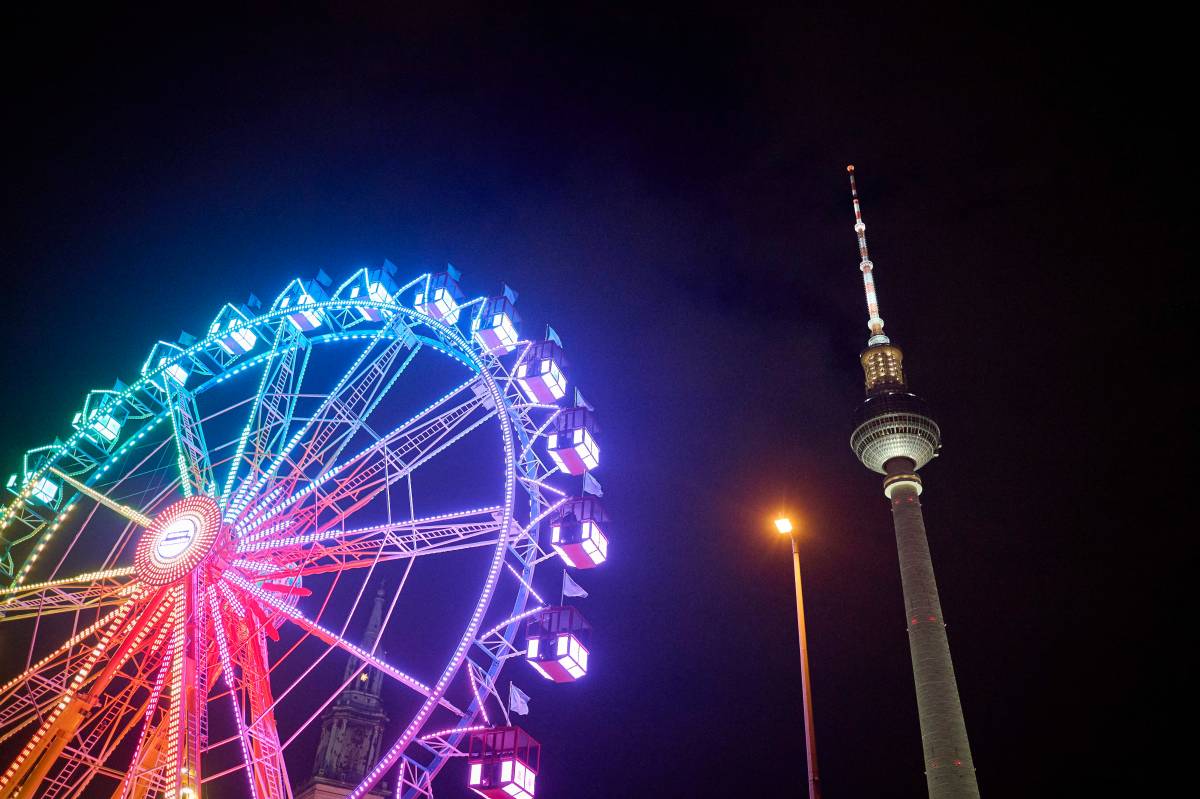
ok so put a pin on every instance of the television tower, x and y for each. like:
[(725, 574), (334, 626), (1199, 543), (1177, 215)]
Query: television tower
[(895, 436)]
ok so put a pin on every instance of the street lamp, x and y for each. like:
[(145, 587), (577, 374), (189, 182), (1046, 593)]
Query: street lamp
[(784, 525)]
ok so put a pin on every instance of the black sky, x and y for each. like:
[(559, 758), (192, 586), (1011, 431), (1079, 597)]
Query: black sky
[(668, 189)]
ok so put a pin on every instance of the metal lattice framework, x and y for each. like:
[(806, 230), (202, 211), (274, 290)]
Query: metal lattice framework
[(178, 569)]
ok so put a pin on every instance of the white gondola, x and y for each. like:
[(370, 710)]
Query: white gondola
[(573, 445), (440, 296), (375, 285), (169, 358), (233, 331), (555, 643), (577, 533), (44, 491), (495, 326), (299, 299), (540, 373)]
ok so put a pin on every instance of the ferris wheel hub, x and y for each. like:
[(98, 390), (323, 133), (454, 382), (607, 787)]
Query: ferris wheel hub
[(178, 540)]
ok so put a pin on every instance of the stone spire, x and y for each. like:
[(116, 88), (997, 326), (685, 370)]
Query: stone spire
[(352, 727)]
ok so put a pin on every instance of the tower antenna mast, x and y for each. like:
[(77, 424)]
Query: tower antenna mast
[(874, 320)]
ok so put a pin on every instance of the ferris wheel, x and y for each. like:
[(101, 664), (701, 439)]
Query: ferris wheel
[(185, 577)]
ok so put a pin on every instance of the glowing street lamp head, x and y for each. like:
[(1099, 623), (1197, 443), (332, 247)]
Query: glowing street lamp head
[(784, 525)]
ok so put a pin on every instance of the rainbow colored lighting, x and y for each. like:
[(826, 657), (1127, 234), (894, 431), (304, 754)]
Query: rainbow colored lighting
[(227, 534)]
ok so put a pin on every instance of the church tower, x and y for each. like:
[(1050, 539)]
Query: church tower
[(352, 727)]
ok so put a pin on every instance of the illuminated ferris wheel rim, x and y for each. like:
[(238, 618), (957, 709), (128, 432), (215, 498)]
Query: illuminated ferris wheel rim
[(463, 354), (165, 555)]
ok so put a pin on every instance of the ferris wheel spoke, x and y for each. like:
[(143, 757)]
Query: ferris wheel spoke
[(84, 591), (195, 465), (432, 423), (325, 503), (342, 413), (314, 553), (56, 601), (133, 515), (43, 681), (146, 775), (338, 559), (145, 768), (333, 639), (270, 416)]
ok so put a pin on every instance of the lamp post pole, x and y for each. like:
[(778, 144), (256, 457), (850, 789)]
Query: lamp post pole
[(810, 735)]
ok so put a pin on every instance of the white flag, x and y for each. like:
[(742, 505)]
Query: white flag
[(580, 402), (518, 700), (591, 485), (572, 588)]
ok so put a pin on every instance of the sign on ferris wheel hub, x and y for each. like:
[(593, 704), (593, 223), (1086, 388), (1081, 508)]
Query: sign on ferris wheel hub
[(188, 537), (178, 541)]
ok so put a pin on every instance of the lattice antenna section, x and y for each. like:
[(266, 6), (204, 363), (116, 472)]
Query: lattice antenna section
[(874, 320)]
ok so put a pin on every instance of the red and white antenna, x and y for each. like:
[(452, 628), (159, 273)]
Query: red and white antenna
[(874, 320)]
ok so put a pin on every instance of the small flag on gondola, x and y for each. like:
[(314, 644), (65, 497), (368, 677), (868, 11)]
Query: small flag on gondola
[(518, 700), (591, 485), (572, 588)]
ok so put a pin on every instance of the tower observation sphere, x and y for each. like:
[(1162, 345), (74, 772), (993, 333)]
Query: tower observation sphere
[(895, 435)]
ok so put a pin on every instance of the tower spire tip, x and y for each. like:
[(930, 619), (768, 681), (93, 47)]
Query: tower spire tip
[(874, 320)]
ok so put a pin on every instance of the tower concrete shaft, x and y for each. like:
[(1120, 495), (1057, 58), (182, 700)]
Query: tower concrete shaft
[(949, 770)]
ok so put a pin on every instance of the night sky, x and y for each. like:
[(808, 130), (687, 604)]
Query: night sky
[(668, 189)]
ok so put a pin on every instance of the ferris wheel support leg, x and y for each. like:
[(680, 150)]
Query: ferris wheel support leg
[(25, 782), (141, 782), (147, 755), (25, 774), (183, 720), (269, 768)]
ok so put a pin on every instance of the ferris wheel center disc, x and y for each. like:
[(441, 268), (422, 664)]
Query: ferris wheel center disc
[(178, 540)]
